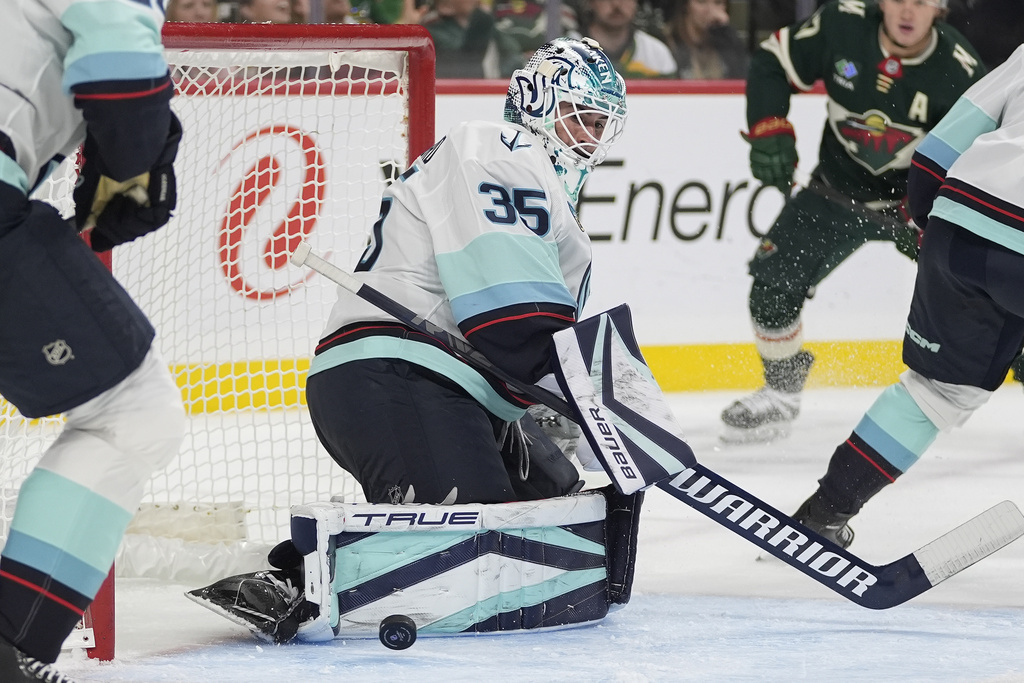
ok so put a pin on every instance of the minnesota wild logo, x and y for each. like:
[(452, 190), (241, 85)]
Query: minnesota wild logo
[(873, 139)]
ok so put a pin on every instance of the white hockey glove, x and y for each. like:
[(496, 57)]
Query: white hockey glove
[(561, 430), (587, 458)]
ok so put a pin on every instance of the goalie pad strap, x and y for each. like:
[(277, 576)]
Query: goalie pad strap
[(621, 528)]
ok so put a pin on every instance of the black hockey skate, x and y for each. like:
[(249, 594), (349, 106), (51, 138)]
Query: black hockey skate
[(269, 603), (16, 666), (834, 527)]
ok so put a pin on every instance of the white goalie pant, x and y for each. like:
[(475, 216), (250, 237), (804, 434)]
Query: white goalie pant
[(458, 569)]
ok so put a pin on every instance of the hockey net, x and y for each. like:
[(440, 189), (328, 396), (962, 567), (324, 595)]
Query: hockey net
[(291, 132)]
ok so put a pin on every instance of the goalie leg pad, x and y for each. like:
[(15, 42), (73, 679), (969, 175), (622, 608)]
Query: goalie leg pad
[(457, 569)]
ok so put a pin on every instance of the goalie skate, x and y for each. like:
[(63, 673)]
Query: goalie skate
[(269, 603), (764, 416)]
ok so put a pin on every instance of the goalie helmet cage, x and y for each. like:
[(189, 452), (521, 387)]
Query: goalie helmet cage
[(291, 132)]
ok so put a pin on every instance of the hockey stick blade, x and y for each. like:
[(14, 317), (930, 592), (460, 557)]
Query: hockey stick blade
[(874, 587)]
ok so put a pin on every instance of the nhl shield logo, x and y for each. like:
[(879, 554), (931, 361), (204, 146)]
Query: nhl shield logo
[(57, 352)]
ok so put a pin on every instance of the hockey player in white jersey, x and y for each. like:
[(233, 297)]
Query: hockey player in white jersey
[(71, 339), (480, 236), (966, 321)]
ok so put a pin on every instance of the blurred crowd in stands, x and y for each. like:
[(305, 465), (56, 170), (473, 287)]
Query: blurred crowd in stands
[(676, 39)]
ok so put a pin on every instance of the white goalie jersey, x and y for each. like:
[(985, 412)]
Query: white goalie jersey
[(479, 237)]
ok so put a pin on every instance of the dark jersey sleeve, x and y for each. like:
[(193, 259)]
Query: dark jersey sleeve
[(788, 61), (923, 183), (128, 121), (116, 72), (518, 338)]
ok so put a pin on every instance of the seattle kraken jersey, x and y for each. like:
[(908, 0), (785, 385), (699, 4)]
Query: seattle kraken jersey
[(479, 237), (978, 148), (879, 107), (48, 47)]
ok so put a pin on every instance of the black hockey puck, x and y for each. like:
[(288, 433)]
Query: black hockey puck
[(397, 632)]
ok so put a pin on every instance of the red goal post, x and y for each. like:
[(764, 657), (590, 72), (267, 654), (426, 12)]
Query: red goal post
[(414, 41), (290, 132)]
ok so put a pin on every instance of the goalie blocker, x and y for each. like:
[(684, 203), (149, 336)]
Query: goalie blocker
[(455, 569)]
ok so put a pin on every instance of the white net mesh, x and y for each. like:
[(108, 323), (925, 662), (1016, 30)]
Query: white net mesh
[(279, 145)]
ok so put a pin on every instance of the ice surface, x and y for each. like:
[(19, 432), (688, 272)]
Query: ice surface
[(704, 607)]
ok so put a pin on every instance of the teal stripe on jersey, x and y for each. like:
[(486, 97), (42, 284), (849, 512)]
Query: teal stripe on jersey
[(558, 536), (66, 569), (526, 596), (960, 126), (75, 521), (938, 151), (498, 296), (425, 355), (895, 427), (12, 174), (385, 552), (500, 258), (114, 66), (979, 224), (113, 41)]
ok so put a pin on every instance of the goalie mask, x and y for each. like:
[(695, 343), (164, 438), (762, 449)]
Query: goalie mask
[(560, 90)]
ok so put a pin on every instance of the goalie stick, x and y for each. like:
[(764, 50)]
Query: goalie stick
[(871, 586), (303, 255)]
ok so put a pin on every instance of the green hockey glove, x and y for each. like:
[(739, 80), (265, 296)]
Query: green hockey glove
[(773, 156)]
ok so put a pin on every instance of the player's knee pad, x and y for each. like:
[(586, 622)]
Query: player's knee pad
[(946, 405), (114, 442), (473, 568)]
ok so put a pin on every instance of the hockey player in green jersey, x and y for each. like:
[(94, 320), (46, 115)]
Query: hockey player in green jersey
[(891, 70)]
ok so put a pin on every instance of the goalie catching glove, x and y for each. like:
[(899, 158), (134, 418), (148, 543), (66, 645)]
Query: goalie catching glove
[(117, 212), (773, 156)]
